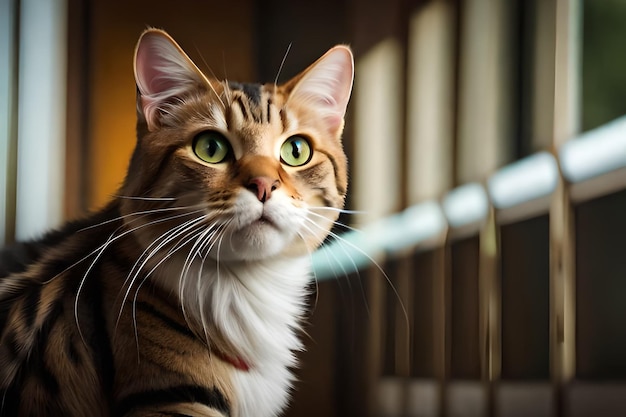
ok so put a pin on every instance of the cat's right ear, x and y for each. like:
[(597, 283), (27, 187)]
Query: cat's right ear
[(326, 85), (163, 72)]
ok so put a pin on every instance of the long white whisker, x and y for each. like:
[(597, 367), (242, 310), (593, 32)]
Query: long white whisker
[(345, 273), (154, 247), (282, 64), (208, 241), (335, 222), (208, 244), (130, 197), (99, 251), (310, 254), (348, 280), (156, 241), (214, 77), (104, 245), (207, 234), (219, 240), (82, 283), (227, 93), (181, 243), (149, 250), (377, 265), (343, 270), (136, 213), (343, 211)]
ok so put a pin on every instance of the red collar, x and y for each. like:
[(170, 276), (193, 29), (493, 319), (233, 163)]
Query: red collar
[(237, 362)]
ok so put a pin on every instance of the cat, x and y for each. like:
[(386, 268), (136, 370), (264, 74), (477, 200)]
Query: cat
[(184, 295)]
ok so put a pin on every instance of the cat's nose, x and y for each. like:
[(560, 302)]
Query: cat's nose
[(262, 187)]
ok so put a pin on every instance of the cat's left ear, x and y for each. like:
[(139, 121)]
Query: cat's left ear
[(326, 86), (163, 72)]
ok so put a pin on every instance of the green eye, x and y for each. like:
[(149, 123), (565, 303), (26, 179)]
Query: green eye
[(211, 147), (296, 151)]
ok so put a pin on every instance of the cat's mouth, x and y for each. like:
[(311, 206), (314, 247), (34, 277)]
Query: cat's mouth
[(264, 220), (260, 232), (258, 222)]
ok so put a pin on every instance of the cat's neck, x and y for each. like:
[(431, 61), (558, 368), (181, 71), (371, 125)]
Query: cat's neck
[(266, 299), (250, 313), (259, 306), (255, 307)]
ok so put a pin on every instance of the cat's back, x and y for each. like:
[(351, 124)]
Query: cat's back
[(17, 257), (81, 234), (38, 282), (69, 348)]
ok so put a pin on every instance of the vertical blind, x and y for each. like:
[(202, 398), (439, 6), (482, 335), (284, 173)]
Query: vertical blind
[(32, 96)]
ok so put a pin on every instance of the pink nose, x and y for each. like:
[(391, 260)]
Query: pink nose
[(262, 187)]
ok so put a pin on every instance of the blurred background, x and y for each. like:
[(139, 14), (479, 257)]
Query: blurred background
[(487, 147)]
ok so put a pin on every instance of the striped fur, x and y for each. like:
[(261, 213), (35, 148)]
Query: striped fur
[(183, 296)]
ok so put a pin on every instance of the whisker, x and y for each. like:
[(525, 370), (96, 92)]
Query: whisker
[(138, 213), (227, 93), (350, 294), (200, 240), (99, 251), (181, 243), (310, 254), (207, 244), (343, 211), (128, 197), (217, 95), (327, 254), (376, 264), (157, 221), (345, 273), (282, 63), (205, 240), (212, 74), (218, 240), (149, 252), (335, 222), (82, 283), (214, 237)]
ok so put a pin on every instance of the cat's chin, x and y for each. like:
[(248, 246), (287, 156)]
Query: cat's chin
[(259, 240), (260, 231)]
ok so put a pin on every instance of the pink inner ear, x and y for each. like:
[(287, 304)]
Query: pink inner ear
[(150, 79), (344, 73), (162, 71), (326, 86)]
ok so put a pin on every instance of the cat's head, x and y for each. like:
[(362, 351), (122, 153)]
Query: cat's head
[(241, 171)]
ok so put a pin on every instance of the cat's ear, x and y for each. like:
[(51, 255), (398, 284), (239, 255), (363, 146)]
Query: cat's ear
[(163, 72), (326, 85)]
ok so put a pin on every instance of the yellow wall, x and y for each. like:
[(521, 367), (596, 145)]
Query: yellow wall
[(215, 34)]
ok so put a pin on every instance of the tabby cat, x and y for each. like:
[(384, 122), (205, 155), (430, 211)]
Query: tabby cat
[(184, 295)]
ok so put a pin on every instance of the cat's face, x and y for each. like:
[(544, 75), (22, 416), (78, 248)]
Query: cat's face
[(236, 171)]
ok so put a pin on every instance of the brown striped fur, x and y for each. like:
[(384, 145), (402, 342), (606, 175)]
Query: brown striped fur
[(98, 319)]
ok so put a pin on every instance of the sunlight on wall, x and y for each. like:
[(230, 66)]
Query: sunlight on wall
[(484, 89), (113, 115), (430, 101), (377, 131)]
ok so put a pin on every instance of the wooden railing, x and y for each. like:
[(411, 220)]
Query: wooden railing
[(504, 298)]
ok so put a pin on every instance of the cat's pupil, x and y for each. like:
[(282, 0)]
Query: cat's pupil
[(213, 148), (295, 149)]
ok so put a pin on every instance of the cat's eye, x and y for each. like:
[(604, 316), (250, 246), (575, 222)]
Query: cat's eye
[(211, 147), (296, 151)]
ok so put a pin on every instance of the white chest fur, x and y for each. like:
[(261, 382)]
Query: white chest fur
[(266, 306), (257, 306)]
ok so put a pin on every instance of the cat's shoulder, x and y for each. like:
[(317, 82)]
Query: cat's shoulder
[(17, 257)]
